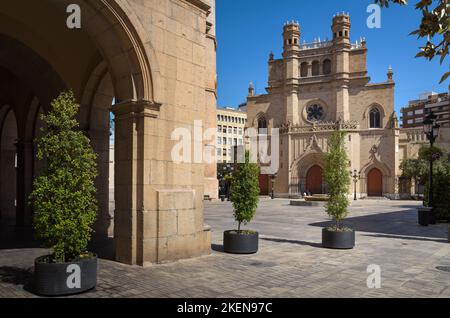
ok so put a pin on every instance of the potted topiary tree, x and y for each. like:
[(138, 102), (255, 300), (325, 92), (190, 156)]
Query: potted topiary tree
[(245, 197), (338, 182), (64, 203)]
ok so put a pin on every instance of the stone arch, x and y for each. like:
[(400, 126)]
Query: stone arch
[(96, 101), (315, 68), (300, 167), (326, 66), (261, 116), (109, 22), (366, 115), (304, 67), (365, 171)]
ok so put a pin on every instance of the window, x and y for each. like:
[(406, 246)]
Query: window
[(290, 41), (235, 130), (224, 140), (224, 129), (262, 123), (340, 33), (240, 131), (219, 140), (327, 67), (346, 33), (295, 41), (230, 141), (240, 142), (224, 151), (315, 112), (219, 152), (419, 112), (304, 69), (375, 118), (235, 142), (219, 128), (230, 130), (315, 68)]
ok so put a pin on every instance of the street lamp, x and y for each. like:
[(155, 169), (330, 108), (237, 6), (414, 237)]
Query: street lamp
[(431, 130), (273, 177), (356, 177)]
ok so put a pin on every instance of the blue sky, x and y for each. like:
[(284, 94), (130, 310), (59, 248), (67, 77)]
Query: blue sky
[(247, 30)]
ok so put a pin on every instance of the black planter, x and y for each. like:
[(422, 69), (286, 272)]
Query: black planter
[(344, 240), (62, 279), (424, 214), (244, 243)]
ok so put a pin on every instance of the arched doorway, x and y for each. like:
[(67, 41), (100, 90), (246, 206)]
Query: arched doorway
[(314, 180), (375, 183)]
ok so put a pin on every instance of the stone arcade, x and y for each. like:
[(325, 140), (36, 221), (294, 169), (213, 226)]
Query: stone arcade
[(156, 60)]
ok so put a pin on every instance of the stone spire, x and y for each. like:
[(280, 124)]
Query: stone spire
[(251, 90), (390, 74)]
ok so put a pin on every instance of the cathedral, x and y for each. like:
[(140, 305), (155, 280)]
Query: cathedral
[(318, 88)]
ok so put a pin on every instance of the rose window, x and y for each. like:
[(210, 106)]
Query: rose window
[(315, 112)]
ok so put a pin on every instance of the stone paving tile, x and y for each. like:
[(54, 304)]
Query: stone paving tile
[(290, 262)]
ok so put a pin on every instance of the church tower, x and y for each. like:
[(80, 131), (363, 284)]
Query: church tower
[(291, 50), (342, 47)]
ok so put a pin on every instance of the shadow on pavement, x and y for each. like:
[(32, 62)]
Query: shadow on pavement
[(277, 240), (399, 223)]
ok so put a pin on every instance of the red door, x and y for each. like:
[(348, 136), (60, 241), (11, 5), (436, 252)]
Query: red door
[(264, 184), (375, 183), (314, 180)]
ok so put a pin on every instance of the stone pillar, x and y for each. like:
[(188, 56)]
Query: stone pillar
[(155, 219), (24, 183), (292, 107), (100, 143)]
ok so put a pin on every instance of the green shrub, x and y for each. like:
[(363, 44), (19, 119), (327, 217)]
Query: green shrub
[(337, 178), (419, 170), (63, 197), (245, 191)]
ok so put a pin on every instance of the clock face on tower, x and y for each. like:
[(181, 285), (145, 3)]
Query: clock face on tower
[(315, 113)]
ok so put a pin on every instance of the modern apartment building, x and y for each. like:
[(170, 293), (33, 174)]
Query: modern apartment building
[(413, 115), (230, 132)]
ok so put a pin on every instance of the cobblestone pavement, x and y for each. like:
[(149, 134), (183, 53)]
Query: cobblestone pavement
[(290, 263)]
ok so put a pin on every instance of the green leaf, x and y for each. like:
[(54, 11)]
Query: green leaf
[(444, 77)]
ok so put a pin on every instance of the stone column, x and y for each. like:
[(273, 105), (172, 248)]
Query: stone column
[(131, 122), (24, 183), (159, 204), (100, 143)]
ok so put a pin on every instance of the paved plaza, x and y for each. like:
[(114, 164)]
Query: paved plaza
[(290, 263)]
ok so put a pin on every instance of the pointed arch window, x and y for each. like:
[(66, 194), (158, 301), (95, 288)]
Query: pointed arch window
[(262, 125), (315, 68), (327, 67), (375, 118), (304, 69)]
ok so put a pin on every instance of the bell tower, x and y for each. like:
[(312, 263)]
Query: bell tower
[(291, 37), (342, 47), (341, 28), (291, 50)]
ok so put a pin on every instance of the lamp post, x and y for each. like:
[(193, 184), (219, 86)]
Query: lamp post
[(273, 177), (356, 177), (431, 130)]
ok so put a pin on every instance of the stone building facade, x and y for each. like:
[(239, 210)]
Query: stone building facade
[(317, 88), (157, 60)]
